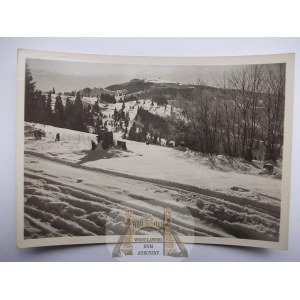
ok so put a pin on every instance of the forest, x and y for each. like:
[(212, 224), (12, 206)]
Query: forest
[(245, 113)]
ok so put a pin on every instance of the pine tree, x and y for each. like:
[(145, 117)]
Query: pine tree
[(122, 114), (53, 91), (123, 105), (35, 100), (39, 107), (96, 107), (88, 115), (49, 114), (68, 113), (59, 111), (132, 133), (78, 115), (78, 102), (29, 95)]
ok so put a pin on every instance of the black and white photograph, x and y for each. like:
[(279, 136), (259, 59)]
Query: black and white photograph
[(207, 138)]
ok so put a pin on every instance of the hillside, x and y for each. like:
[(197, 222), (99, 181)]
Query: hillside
[(207, 119), (150, 88), (157, 87), (133, 86), (95, 92), (72, 190)]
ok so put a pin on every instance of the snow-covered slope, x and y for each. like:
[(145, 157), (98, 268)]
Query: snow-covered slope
[(72, 190), (215, 173), (159, 80)]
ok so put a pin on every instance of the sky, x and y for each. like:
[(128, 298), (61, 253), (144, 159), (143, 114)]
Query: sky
[(66, 76)]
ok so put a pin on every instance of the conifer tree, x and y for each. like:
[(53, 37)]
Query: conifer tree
[(39, 107), (49, 113), (59, 111), (78, 115), (29, 95), (96, 107), (132, 132), (68, 113)]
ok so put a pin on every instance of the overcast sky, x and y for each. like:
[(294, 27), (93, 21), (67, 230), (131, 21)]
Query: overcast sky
[(68, 76)]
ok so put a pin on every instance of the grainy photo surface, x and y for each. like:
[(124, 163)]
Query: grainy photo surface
[(99, 135)]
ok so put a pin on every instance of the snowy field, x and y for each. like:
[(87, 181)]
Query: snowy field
[(71, 190)]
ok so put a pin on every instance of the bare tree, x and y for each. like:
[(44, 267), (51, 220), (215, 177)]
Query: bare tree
[(256, 84), (229, 119), (198, 121), (248, 82), (272, 121), (245, 109)]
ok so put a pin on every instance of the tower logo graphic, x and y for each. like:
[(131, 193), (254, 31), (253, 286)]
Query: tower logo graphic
[(172, 245)]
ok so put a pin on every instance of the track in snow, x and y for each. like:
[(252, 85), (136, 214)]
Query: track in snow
[(64, 198)]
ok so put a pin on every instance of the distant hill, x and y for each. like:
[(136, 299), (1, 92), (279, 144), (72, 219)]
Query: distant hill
[(154, 87), (133, 86), (88, 92), (149, 89)]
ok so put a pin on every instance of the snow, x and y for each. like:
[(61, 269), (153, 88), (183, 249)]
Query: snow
[(151, 161), (172, 165), (72, 190), (159, 80)]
